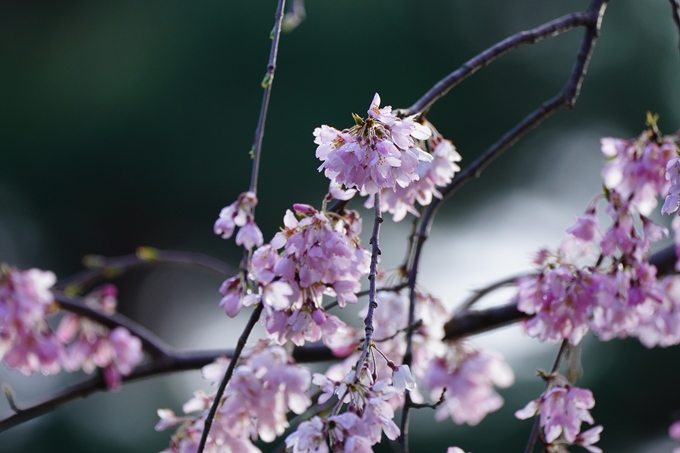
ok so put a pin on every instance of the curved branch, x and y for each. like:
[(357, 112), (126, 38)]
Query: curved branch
[(101, 267), (547, 30), (566, 98), (480, 293), (172, 362), (150, 342)]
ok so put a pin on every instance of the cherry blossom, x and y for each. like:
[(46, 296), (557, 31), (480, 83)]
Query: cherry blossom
[(368, 416), (438, 172), (562, 409), (240, 214), (27, 342), (92, 346), (378, 152), (265, 385), (468, 375), (637, 168)]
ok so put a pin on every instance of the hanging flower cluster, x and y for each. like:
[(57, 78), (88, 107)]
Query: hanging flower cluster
[(316, 253), (562, 409), (264, 387), (378, 152), (437, 172), (467, 376), (28, 343), (619, 295), (240, 214), (368, 415)]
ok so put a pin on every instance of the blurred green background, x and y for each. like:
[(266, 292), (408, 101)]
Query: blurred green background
[(128, 123)]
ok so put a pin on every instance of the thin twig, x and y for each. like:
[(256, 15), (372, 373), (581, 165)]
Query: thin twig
[(102, 267), (547, 30), (535, 428), (478, 294), (439, 402), (256, 151), (150, 342), (267, 85), (365, 292), (242, 340), (372, 303)]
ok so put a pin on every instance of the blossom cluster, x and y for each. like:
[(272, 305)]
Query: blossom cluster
[(437, 172), (378, 152), (265, 386), (29, 344), (369, 414), (467, 374), (562, 409), (316, 253), (619, 295), (467, 377), (399, 157), (240, 214)]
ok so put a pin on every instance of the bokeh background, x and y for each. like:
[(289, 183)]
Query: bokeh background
[(128, 123)]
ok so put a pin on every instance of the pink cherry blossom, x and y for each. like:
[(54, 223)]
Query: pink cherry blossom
[(240, 214), (562, 409), (27, 342), (378, 152), (637, 168), (431, 174), (468, 376), (264, 387)]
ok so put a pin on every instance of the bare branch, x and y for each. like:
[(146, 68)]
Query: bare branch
[(150, 342), (254, 317), (553, 28), (567, 97), (267, 85), (478, 294), (372, 304), (101, 267), (439, 402)]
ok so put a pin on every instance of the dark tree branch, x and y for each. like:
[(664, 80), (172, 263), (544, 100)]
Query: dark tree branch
[(547, 30), (372, 303), (592, 20), (150, 342), (101, 267), (478, 294), (462, 325), (267, 85), (227, 375)]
